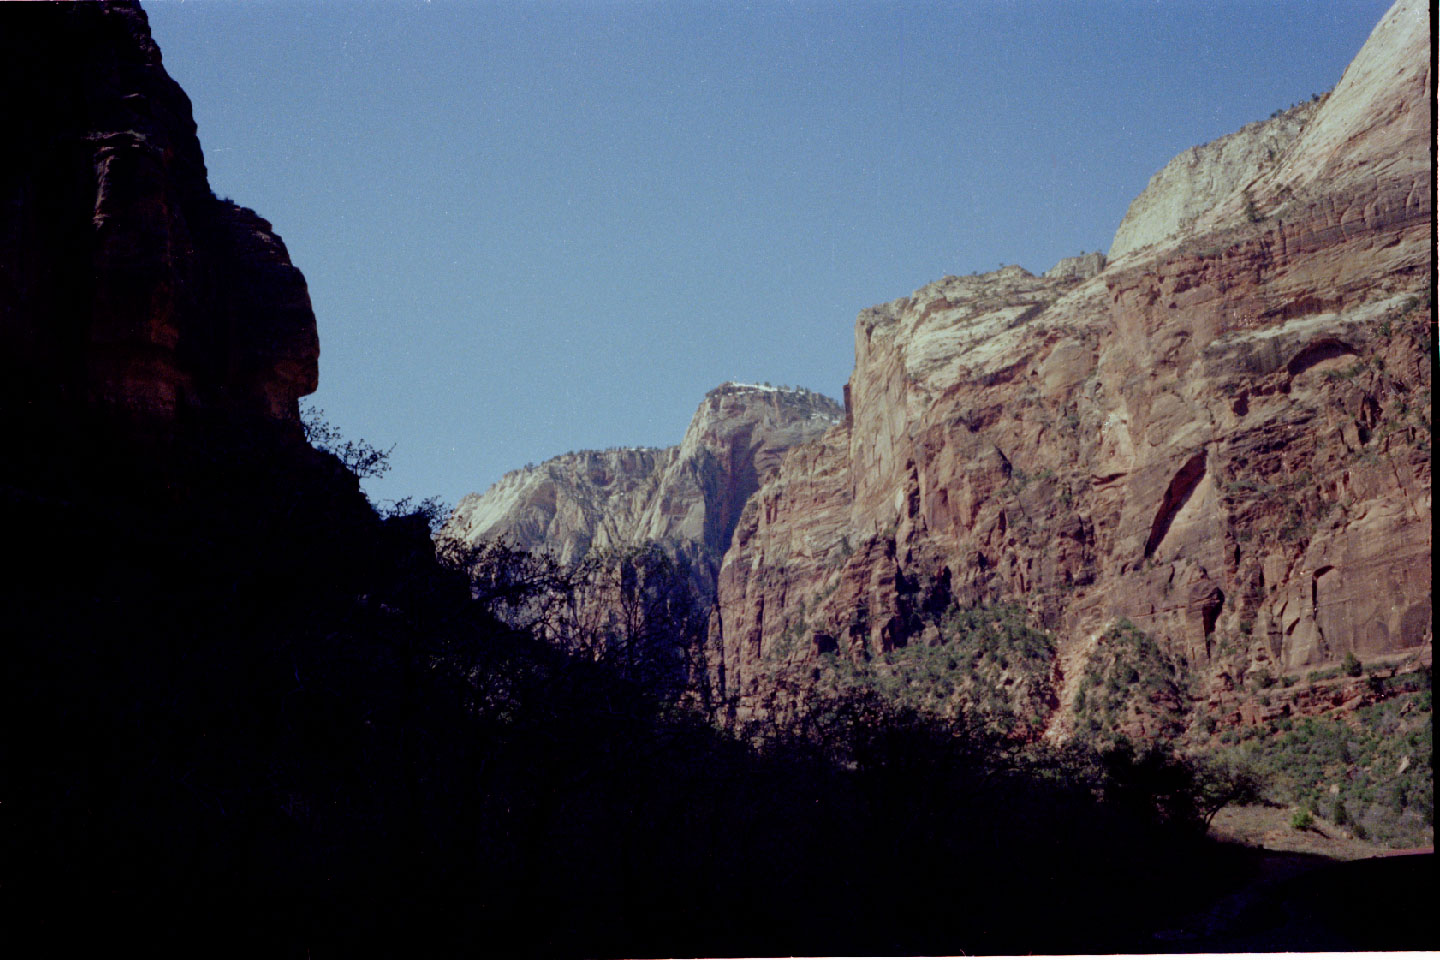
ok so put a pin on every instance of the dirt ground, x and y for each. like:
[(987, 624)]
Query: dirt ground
[(1269, 829)]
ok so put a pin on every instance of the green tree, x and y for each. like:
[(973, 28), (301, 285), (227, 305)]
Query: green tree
[(1219, 784)]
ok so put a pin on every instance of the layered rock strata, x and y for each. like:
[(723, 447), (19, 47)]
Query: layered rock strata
[(1222, 435)]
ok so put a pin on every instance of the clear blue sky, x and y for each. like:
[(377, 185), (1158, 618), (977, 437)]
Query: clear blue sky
[(537, 227)]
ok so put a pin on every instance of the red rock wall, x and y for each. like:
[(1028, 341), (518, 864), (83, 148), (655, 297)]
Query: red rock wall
[(183, 301), (1224, 437)]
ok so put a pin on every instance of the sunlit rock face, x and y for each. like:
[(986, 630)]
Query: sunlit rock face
[(125, 284), (1083, 267), (1221, 433), (1188, 186), (1342, 165), (687, 498)]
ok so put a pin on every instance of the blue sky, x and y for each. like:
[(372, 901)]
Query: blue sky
[(537, 227)]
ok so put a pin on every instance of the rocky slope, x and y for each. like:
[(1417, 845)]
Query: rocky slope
[(685, 498), (185, 302), (1222, 435)]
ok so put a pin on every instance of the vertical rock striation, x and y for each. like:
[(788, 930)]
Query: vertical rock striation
[(1222, 433)]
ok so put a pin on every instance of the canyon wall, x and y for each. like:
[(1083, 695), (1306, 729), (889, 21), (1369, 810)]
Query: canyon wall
[(686, 498), (1219, 432), (126, 286), (1222, 433), (1188, 186)]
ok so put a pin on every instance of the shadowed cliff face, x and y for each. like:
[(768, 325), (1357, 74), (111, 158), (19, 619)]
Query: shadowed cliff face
[(641, 532), (125, 285), (1224, 435)]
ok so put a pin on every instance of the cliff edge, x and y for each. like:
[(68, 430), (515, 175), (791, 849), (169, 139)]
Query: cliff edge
[(126, 286)]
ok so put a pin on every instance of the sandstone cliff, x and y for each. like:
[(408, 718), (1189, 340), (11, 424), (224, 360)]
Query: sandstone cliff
[(1223, 435), (1189, 186), (1083, 267), (125, 284), (686, 498), (1362, 152), (1201, 464), (247, 696)]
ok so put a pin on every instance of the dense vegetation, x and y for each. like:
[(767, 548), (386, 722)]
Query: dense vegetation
[(1369, 772), (637, 610), (1372, 774), (985, 663), (1130, 687), (259, 716)]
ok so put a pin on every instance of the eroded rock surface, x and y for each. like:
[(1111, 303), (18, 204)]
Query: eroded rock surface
[(1223, 435), (686, 498), (1220, 433), (1083, 267), (1189, 185)]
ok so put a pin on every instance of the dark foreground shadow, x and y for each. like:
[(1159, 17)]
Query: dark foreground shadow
[(1299, 902), (253, 717)]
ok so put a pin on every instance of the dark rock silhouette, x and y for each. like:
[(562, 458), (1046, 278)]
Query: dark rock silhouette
[(124, 282)]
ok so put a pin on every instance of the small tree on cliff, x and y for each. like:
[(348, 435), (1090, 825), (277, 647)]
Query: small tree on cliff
[(357, 456)]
